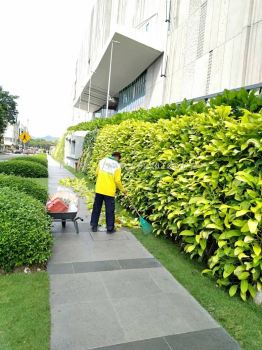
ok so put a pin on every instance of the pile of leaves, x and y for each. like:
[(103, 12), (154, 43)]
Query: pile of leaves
[(198, 179)]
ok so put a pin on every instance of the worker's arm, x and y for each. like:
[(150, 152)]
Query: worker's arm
[(118, 180)]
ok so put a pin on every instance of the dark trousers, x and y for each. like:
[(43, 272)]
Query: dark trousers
[(110, 211)]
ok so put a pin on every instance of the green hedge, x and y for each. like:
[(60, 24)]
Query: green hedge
[(238, 100), (40, 159), (24, 185), (25, 237), (24, 168), (198, 179)]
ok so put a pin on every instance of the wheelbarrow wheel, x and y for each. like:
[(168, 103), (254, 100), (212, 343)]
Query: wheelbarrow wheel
[(63, 223)]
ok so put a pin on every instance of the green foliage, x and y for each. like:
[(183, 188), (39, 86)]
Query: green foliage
[(238, 100), (8, 111), (87, 153), (38, 158), (25, 237), (41, 143), (24, 168), (151, 115), (59, 151), (24, 185), (198, 179)]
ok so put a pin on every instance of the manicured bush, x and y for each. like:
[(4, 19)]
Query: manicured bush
[(23, 168), (198, 179), (40, 159), (24, 185), (25, 237), (238, 100)]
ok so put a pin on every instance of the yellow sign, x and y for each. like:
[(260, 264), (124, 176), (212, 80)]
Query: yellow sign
[(25, 137)]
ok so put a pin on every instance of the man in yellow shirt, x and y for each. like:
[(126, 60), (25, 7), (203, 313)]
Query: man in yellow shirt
[(108, 180)]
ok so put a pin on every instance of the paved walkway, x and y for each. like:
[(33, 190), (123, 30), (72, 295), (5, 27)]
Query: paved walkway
[(108, 292)]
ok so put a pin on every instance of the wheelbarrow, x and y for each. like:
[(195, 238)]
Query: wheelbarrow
[(67, 216)]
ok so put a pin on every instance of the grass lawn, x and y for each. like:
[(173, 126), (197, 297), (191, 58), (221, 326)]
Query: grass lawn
[(43, 181), (24, 311), (243, 320)]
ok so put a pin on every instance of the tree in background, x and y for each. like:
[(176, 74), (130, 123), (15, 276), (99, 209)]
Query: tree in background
[(8, 111), (41, 143)]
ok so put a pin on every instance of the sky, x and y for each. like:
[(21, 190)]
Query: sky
[(39, 45)]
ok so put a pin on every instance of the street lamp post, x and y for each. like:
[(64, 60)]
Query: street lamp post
[(109, 74), (89, 92)]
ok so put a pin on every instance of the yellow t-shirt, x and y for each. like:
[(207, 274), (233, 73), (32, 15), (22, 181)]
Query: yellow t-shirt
[(108, 175)]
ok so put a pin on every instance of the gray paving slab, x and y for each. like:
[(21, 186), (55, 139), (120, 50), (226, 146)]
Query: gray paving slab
[(72, 289), (85, 250), (54, 269), (103, 236), (150, 344), (138, 263), (110, 293), (211, 339), (86, 325), (94, 266), (129, 284), (149, 316)]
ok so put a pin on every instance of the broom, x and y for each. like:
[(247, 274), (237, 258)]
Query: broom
[(144, 224)]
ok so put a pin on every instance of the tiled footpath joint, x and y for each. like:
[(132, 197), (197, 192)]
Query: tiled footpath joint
[(108, 292)]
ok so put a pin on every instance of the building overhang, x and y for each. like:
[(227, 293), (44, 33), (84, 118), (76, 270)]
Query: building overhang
[(133, 52)]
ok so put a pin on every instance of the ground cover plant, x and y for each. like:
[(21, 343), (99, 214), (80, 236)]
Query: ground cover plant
[(24, 185), (25, 237), (197, 178), (24, 168)]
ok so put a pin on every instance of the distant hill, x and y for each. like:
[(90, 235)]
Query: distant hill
[(47, 138)]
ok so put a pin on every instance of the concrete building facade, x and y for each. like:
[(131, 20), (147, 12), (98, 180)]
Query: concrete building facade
[(11, 135), (163, 51)]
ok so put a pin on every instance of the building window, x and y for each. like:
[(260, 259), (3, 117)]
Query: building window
[(133, 92)]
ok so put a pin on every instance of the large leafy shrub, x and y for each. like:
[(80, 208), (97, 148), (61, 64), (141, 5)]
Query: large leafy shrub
[(23, 168), (198, 179), (237, 99), (24, 185), (25, 237), (39, 158)]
